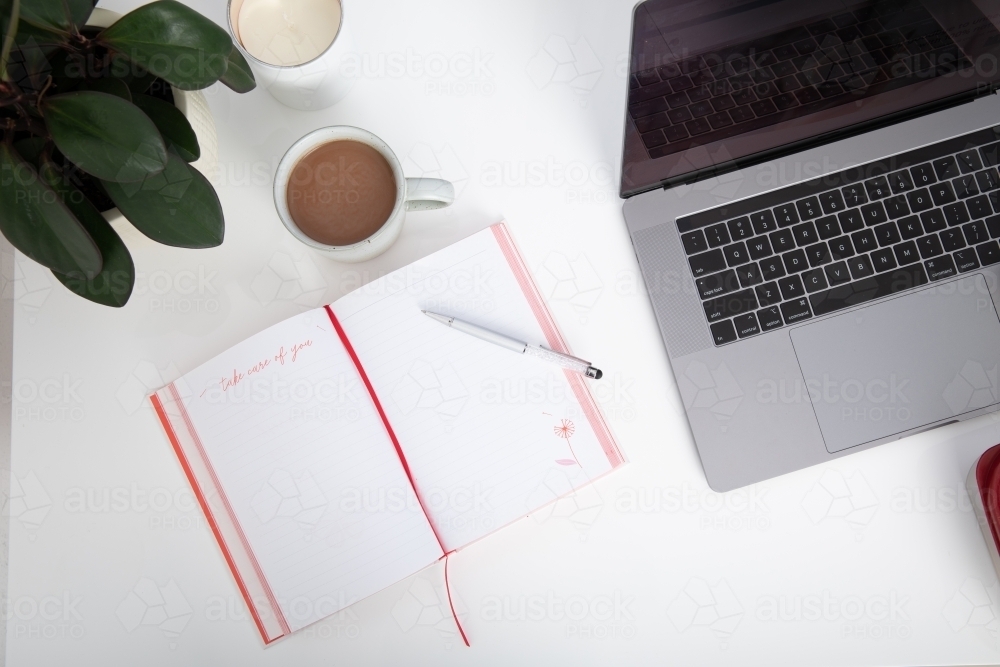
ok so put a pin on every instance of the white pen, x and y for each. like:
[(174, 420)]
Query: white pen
[(563, 360)]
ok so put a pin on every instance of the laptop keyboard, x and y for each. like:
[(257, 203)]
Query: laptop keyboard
[(798, 71), (849, 237)]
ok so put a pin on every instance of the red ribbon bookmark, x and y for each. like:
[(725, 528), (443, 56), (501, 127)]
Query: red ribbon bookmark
[(402, 459)]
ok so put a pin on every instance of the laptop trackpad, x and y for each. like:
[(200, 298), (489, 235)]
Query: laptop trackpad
[(901, 364)]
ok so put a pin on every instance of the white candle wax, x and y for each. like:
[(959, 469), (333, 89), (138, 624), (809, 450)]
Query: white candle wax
[(288, 32)]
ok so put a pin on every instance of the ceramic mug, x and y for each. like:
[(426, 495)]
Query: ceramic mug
[(316, 84), (412, 194)]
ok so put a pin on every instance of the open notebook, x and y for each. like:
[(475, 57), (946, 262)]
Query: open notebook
[(346, 448)]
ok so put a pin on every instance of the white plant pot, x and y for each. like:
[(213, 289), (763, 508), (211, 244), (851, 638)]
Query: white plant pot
[(194, 106)]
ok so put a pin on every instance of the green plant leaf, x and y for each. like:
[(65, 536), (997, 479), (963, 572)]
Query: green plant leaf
[(104, 135), (175, 129), (30, 149), (59, 15), (140, 81), (113, 285), (36, 221), (177, 207), (110, 86), (238, 76), (172, 41)]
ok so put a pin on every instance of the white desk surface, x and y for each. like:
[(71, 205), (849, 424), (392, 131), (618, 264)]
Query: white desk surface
[(875, 559)]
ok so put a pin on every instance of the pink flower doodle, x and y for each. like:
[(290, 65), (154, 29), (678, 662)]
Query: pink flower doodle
[(565, 431)]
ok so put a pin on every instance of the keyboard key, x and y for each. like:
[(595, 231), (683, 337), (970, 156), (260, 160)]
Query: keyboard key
[(909, 228), (900, 181), (956, 214), (877, 188), (697, 126), (990, 154), (772, 268), (993, 225), (694, 242), (933, 220), (676, 133), (896, 207), (805, 233), (883, 260), (979, 207), (749, 275), (887, 234), (717, 284), (717, 235), (814, 280), (906, 253), (989, 253), (740, 228), (795, 311), (864, 240), (723, 332), (854, 195), (922, 174), (874, 287), (763, 107), (782, 240), (966, 260), (741, 114), (808, 208), (965, 186), (791, 287), (718, 121), (851, 220), (841, 248), (827, 227), (929, 246), (786, 215), (874, 213), (769, 318), (942, 193), (919, 200), (945, 168), (763, 222), (861, 267), (746, 325), (728, 305), (837, 274), (968, 161), (795, 261), (707, 262), (818, 254), (976, 232), (832, 202), (768, 294), (736, 254), (940, 267), (952, 239), (759, 247), (988, 180)]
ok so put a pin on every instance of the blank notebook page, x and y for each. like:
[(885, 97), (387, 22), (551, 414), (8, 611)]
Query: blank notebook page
[(489, 434), (296, 443)]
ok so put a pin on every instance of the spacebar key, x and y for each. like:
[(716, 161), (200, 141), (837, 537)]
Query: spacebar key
[(873, 287)]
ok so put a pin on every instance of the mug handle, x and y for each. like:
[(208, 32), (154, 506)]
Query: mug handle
[(426, 194)]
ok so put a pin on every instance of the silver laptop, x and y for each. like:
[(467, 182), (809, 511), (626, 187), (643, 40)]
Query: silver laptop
[(813, 197)]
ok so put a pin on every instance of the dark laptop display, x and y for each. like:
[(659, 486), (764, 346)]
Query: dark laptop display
[(719, 84)]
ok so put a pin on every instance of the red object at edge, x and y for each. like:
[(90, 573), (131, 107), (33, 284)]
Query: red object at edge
[(988, 481)]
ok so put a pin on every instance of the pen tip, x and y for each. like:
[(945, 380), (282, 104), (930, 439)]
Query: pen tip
[(595, 373)]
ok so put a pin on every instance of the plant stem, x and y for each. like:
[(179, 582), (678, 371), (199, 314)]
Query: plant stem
[(8, 40)]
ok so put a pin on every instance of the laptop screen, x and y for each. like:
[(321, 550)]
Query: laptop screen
[(719, 84)]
